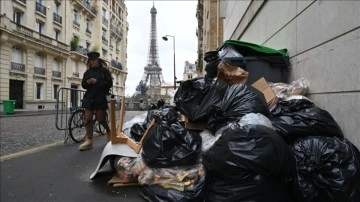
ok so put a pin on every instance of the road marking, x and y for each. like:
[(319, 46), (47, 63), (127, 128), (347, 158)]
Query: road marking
[(29, 151)]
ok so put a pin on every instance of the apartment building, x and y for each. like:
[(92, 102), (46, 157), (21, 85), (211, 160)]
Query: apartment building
[(210, 29), (44, 46)]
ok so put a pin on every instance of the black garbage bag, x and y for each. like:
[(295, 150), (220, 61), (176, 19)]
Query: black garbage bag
[(157, 193), (248, 163), (237, 101), (300, 118), (137, 130), (169, 144), (211, 68), (328, 169), (167, 114), (190, 95)]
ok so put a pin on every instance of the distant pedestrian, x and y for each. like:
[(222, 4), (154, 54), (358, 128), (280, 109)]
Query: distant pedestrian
[(97, 81)]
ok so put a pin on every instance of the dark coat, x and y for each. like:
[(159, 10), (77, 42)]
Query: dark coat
[(95, 95)]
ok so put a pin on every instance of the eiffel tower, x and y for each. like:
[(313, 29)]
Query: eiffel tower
[(153, 77)]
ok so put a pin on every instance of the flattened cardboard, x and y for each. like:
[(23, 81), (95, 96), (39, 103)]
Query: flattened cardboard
[(265, 88)]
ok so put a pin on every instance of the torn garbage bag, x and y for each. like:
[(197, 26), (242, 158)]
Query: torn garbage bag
[(300, 118), (185, 186), (248, 163), (328, 169), (169, 144)]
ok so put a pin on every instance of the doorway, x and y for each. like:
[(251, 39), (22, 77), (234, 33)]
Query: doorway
[(16, 92)]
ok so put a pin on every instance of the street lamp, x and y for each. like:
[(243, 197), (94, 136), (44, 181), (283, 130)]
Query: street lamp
[(165, 38)]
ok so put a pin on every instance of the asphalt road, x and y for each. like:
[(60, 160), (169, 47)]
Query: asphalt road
[(57, 171)]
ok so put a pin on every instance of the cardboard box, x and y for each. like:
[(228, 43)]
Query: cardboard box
[(192, 125), (265, 88)]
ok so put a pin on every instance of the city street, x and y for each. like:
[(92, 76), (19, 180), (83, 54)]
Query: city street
[(57, 171)]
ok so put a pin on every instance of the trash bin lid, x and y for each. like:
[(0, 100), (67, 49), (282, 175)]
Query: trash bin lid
[(250, 49)]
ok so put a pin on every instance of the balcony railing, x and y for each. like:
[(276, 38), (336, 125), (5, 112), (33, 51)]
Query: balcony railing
[(57, 18), (22, 1), (116, 64), (87, 5), (76, 74), (18, 66), (81, 50), (76, 23), (25, 32), (39, 70), (105, 21), (40, 8), (56, 74), (116, 31)]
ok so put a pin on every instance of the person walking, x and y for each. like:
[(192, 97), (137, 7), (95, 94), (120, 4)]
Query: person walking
[(97, 81)]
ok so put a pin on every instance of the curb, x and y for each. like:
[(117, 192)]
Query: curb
[(27, 152)]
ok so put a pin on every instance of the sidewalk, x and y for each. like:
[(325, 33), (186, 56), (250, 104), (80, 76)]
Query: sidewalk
[(28, 113), (61, 173)]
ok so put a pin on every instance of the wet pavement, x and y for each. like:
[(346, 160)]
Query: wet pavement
[(36, 165)]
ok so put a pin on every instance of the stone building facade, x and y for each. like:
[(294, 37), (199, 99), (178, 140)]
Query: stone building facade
[(44, 46), (323, 42)]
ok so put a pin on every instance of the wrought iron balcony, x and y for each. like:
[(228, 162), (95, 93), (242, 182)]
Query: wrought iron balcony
[(116, 31), (116, 64), (88, 7), (40, 8), (81, 50), (76, 74), (57, 18), (76, 23), (39, 70), (56, 74), (18, 66), (22, 1), (105, 21)]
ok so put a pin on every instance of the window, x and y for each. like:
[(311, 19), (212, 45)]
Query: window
[(104, 34), (88, 25), (56, 89), (38, 60), (57, 8), (39, 26), (17, 17), (56, 35), (56, 65), (39, 91), (88, 46), (16, 55), (75, 16), (104, 53)]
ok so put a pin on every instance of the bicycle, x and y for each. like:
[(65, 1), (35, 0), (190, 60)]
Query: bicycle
[(77, 131)]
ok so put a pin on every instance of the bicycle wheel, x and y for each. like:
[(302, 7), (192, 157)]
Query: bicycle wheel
[(77, 129), (101, 128)]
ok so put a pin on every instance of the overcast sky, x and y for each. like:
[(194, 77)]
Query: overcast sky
[(176, 18)]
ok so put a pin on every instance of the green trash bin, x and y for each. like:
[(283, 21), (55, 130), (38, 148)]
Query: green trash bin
[(9, 106)]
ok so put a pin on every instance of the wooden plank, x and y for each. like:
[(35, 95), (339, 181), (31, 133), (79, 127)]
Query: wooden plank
[(119, 136)]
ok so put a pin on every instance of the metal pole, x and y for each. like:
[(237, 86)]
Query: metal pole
[(174, 65)]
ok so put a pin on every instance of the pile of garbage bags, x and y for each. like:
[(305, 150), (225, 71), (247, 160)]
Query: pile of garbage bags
[(251, 150)]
